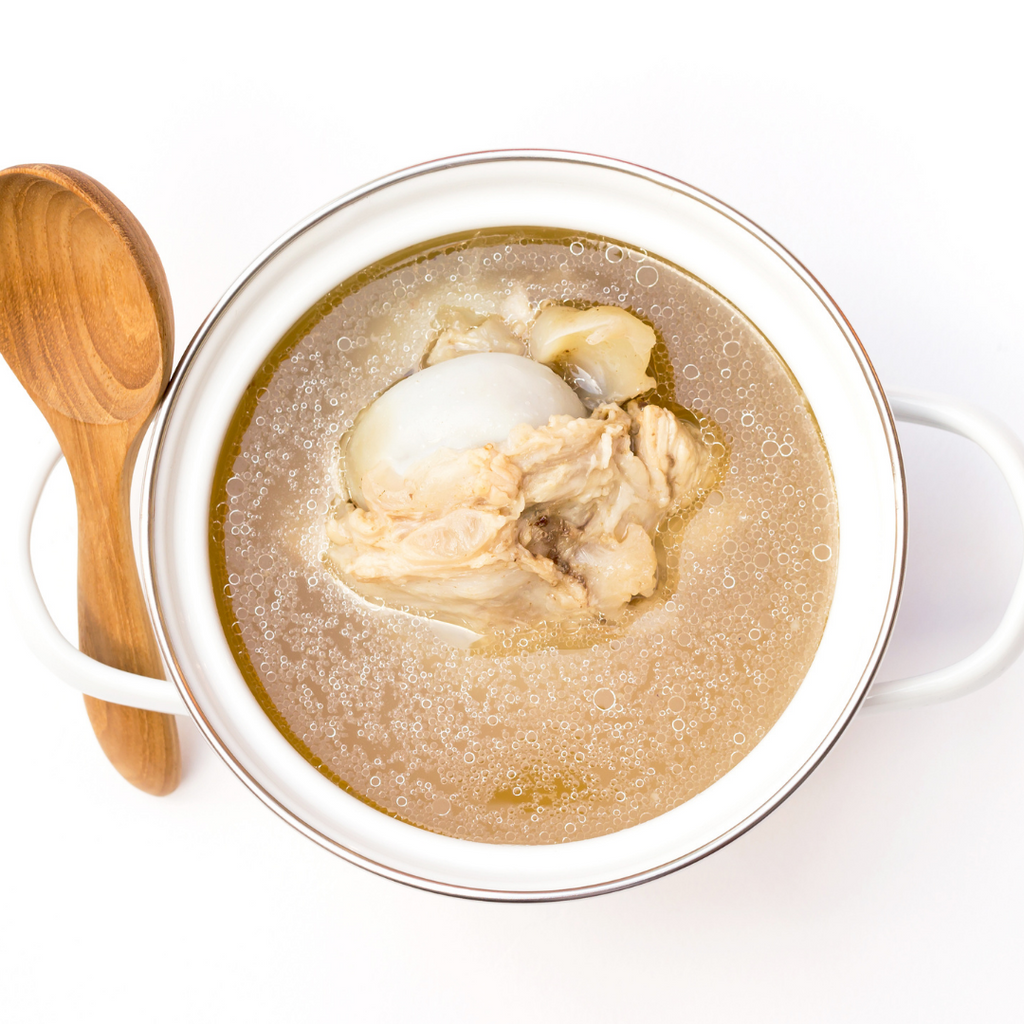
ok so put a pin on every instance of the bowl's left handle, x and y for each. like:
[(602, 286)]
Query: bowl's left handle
[(1004, 646), (50, 646)]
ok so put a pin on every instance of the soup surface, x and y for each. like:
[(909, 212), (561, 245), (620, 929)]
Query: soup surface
[(534, 734)]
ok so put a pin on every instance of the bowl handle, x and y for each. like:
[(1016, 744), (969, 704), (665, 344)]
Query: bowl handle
[(971, 673), (47, 642), (1001, 649)]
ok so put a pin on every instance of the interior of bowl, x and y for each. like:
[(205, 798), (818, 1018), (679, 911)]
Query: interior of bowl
[(580, 193)]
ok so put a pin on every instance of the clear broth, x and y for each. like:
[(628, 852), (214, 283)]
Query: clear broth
[(536, 736)]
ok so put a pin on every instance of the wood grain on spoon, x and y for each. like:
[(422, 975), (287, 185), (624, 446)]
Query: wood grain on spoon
[(87, 327)]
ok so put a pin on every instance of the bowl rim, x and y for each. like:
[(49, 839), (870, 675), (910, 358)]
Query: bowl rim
[(187, 360)]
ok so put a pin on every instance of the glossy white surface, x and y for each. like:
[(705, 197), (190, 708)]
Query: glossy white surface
[(458, 404), (888, 888), (617, 201)]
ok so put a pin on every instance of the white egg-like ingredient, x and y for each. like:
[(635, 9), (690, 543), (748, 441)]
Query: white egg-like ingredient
[(457, 405)]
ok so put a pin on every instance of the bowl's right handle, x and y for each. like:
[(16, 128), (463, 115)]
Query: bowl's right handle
[(1003, 647)]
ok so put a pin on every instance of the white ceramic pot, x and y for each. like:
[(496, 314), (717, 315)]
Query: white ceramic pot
[(603, 197)]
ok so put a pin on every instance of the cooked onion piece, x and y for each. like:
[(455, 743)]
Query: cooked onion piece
[(604, 351)]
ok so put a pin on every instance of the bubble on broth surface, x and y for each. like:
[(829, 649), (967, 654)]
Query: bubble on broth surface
[(537, 737)]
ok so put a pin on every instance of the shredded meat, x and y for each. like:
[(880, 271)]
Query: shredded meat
[(553, 524), (463, 331)]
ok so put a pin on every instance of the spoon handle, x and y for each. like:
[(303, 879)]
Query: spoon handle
[(113, 624)]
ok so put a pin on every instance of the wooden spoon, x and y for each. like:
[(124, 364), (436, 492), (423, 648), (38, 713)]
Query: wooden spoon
[(86, 325)]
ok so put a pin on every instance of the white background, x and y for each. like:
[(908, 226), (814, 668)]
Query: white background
[(881, 144)]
